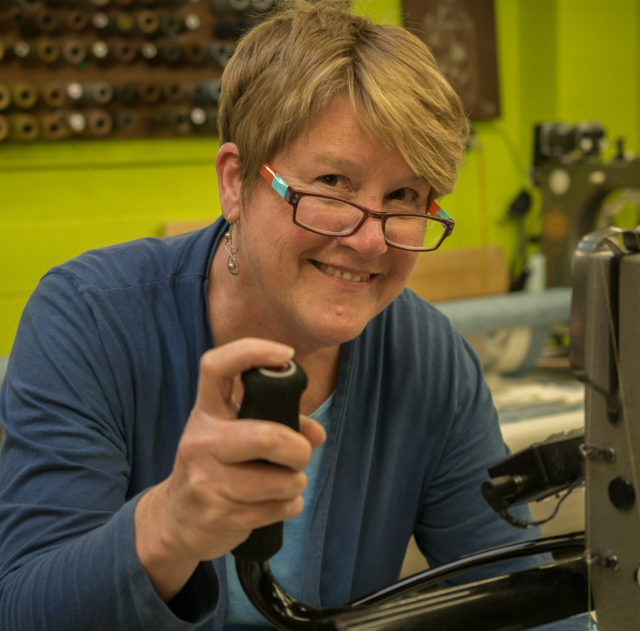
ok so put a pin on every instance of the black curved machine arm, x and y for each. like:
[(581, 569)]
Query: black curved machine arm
[(506, 603), (522, 600)]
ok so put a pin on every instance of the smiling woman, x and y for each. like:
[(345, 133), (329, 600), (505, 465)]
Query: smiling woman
[(126, 469), (303, 280)]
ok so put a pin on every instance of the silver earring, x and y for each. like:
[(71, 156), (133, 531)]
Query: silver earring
[(232, 264)]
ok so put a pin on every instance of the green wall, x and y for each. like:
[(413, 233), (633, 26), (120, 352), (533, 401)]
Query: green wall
[(564, 60), (559, 60)]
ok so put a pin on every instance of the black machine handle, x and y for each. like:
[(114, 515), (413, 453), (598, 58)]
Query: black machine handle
[(271, 394)]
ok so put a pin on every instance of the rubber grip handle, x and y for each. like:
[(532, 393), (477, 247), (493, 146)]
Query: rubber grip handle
[(272, 394)]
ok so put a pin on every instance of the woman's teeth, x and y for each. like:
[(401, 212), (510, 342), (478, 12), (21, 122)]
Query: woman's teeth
[(332, 271)]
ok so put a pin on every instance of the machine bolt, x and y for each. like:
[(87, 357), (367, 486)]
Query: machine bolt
[(621, 493)]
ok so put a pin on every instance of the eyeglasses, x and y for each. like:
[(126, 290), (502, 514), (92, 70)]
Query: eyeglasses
[(412, 229)]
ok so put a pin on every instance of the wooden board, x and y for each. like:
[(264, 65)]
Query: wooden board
[(453, 274)]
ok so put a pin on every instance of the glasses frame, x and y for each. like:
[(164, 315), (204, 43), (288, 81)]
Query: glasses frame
[(293, 196)]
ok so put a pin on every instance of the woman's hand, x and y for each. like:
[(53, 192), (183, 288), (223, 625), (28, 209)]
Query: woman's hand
[(220, 488)]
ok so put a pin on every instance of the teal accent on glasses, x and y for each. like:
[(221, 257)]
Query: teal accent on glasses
[(442, 214), (279, 185)]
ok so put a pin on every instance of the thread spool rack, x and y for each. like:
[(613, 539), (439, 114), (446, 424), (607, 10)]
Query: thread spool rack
[(77, 69)]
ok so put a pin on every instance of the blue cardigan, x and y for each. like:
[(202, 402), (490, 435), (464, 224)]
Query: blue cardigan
[(100, 382)]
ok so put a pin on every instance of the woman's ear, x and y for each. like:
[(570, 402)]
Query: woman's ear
[(229, 181)]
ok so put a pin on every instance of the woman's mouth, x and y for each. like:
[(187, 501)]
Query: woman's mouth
[(342, 274)]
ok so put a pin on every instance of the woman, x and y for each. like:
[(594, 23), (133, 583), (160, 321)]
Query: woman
[(126, 478)]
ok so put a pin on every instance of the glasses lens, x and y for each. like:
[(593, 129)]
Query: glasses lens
[(337, 217), (329, 216), (416, 233)]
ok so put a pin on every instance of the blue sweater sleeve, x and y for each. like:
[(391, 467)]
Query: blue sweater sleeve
[(66, 505)]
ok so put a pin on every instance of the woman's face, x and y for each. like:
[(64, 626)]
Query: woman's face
[(313, 290)]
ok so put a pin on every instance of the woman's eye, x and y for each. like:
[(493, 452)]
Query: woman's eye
[(404, 195), (330, 180)]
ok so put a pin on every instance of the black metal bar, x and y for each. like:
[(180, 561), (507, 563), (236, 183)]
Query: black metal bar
[(523, 600), (413, 603), (571, 544)]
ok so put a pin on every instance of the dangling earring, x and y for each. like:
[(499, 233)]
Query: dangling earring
[(232, 264)]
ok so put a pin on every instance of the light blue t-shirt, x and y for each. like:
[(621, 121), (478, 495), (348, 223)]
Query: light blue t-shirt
[(285, 564)]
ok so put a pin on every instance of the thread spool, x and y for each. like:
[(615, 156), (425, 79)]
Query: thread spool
[(148, 23), (176, 120), (22, 51), (220, 53), (76, 121), (150, 93), (125, 52), (171, 54), (180, 120), (173, 92), (54, 127), (54, 95), (205, 120), (207, 92), (102, 53), (191, 22), (24, 95), (78, 20), (23, 127), (47, 50), (99, 123), (99, 92), (125, 24), (104, 24), (170, 25), (11, 20), (149, 52), (126, 93), (47, 22), (74, 52), (126, 121), (195, 53)]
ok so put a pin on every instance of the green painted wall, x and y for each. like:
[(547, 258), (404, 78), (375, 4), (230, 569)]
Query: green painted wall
[(558, 60)]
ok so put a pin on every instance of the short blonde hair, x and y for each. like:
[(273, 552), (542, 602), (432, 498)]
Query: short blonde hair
[(288, 68)]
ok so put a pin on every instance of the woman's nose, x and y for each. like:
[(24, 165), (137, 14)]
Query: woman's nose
[(368, 239)]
